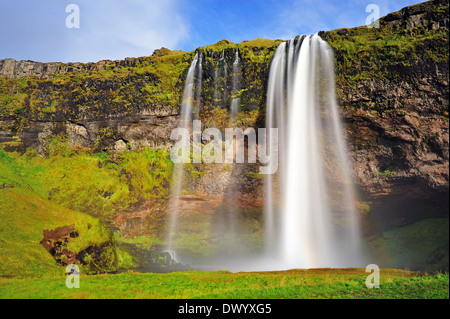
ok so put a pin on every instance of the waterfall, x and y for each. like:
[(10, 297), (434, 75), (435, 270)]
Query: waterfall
[(310, 218), (220, 81), (236, 85), (186, 117), (312, 222), (198, 94), (274, 117)]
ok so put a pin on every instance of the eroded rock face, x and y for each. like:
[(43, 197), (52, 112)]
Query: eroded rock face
[(400, 163), (16, 69), (417, 16), (390, 148), (119, 134)]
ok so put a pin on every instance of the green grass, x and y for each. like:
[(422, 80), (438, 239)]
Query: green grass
[(23, 217), (140, 242), (318, 283), (97, 184), (24, 214), (423, 245)]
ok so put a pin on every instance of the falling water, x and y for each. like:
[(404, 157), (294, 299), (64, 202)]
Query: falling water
[(198, 97), (220, 81), (274, 118), (309, 214), (236, 85), (186, 117), (312, 221)]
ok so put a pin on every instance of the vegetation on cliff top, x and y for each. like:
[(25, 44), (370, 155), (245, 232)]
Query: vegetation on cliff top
[(406, 44), (364, 57), (125, 87)]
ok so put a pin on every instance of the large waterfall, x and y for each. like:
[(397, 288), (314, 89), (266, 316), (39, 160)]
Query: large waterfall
[(310, 214), (309, 206)]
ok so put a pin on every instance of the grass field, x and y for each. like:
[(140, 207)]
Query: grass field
[(294, 284)]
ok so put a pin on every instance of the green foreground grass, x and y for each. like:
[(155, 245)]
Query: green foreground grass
[(293, 284)]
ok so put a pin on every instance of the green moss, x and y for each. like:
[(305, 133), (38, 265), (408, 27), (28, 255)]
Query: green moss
[(125, 260), (406, 248), (59, 145), (387, 172), (254, 175), (197, 174), (97, 184), (389, 54), (219, 46), (24, 214)]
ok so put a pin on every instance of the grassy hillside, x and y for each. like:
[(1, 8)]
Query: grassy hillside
[(25, 214), (98, 184)]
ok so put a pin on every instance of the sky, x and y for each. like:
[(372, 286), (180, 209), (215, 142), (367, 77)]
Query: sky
[(115, 29)]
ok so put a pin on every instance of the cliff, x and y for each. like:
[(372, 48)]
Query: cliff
[(392, 85)]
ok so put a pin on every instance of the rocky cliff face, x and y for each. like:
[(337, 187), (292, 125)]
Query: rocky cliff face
[(120, 104), (392, 85), (16, 69), (395, 103)]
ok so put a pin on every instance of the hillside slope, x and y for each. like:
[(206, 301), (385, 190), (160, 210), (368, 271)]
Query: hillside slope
[(24, 219)]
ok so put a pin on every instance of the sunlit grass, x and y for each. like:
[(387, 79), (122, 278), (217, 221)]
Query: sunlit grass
[(293, 284)]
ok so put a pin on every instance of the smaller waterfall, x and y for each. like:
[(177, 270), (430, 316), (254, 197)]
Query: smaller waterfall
[(186, 117), (198, 94), (236, 85), (220, 81)]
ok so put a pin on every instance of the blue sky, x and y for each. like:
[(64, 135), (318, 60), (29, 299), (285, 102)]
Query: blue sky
[(115, 29)]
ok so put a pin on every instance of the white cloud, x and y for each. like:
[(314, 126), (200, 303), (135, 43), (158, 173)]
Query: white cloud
[(109, 29), (117, 29), (311, 16)]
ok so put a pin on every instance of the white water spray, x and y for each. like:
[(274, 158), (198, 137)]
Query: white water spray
[(186, 117), (309, 214), (220, 81), (313, 222), (236, 85), (198, 94)]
